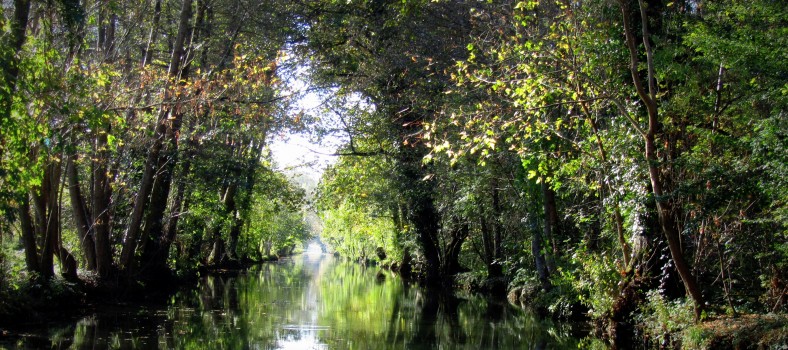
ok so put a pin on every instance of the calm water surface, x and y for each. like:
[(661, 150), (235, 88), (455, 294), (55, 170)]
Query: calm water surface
[(307, 302)]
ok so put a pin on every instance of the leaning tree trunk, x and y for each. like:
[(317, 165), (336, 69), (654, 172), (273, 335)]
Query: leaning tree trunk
[(159, 235), (665, 210), (178, 206), (165, 131)]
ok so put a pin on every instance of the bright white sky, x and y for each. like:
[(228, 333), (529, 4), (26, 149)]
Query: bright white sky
[(297, 152)]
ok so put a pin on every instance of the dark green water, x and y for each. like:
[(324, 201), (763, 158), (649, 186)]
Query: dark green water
[(308, 302)]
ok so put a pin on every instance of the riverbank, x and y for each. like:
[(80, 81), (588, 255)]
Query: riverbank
[(750, 331), (35, 302), (670, 326), (38, 302)]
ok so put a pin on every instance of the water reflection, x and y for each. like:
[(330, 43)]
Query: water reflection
[(309, 302)]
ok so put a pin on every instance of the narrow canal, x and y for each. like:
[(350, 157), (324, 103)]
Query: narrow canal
[(309, 302)]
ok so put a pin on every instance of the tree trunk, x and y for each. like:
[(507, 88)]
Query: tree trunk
[(177, 206), (47, 222), (539, 259), (424, 218), (153, 35), (82, 216), (68, 264), (495, 269), (230, 208), (422, 214), (450, 264), (216, 256), (550, 222), (166, 129), (666, 214), (28, 235), (252, 157), (617, 218), (102, 192), (152, 239)]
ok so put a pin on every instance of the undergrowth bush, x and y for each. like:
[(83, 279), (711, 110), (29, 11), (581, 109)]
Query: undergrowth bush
[(660, 318), (596, 281)]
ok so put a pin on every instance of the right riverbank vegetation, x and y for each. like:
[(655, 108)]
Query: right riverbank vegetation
[(618, 160)]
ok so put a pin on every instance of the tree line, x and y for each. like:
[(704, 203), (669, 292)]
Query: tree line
[(133, 137)]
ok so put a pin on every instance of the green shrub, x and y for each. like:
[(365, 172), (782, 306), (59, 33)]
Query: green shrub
[(661, 319)]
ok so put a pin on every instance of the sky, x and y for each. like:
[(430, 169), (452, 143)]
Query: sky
[(298, 152)]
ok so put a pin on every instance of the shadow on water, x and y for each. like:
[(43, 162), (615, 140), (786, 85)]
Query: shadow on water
[(308, 302)]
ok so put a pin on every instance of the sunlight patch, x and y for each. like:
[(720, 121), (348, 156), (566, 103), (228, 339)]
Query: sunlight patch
[(314, 249)]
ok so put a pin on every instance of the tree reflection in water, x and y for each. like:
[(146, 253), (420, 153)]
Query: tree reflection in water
[(310, 302)]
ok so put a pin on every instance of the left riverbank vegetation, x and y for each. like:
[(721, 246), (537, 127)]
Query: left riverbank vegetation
[(623, 159), (133, 144)]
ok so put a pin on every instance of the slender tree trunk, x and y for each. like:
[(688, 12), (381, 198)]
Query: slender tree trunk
[(153, 35), (132, 234), (217, 248), (101, 195), (550, 222), (496, 268), (488, 245), (665, 212), (68, 264), (177, 206), (617, 218), (154, 222), (219, 251), (28, 235), (626, 251), (82, 217)]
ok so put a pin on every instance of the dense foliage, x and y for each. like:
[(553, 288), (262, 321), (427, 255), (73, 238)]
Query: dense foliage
[(134, 138), (615, 155), (602, 153)]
